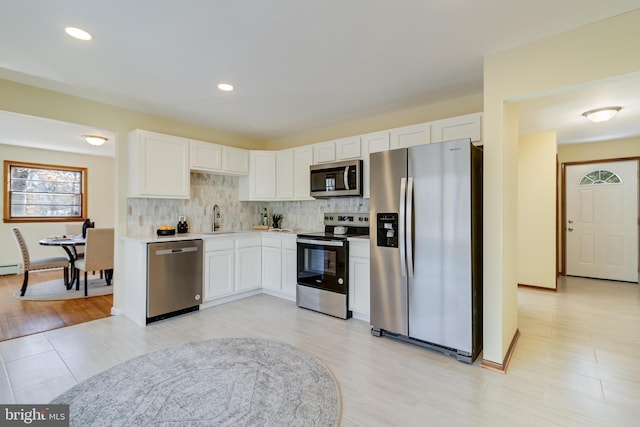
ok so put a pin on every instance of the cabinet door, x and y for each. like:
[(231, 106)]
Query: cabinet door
[(359, 291), (469, 126), (359, 275), (262, 175), (218, 273), (284, 175), (271, 268), (409, 136), (235, 161), (289, 268), (205, 156), (348, 148), (302, 159), (371, 143), (324, 152), (159, 166), (248, 268)]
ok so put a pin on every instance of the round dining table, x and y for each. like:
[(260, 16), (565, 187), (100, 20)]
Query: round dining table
[(69, 245)]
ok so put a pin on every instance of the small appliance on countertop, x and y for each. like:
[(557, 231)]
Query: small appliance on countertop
[(323, 264)]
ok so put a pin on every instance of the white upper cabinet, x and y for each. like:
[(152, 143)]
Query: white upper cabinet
[(215, 158), (374, 142), (469, 126), (348, 148), (302, 159), (284, 174), (260, 184), (371, 143), (409, 136), (324, 152), (235, 161), (205, 157), (158, 166)]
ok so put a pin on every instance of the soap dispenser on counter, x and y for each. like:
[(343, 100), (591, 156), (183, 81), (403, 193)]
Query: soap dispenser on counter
[(183, 226)]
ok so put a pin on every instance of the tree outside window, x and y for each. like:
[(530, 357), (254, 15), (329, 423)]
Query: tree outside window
[(41, 193)]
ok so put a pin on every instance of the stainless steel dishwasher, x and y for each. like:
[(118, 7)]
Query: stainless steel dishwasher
[(174, 278)]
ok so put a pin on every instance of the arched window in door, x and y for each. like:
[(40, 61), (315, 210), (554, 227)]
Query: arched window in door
[(600, 176)]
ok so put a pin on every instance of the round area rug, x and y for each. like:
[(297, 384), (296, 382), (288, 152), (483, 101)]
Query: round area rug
[(221, 382), (54, 290)]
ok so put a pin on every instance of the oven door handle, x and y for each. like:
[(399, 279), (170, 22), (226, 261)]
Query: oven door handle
[(321, 242)]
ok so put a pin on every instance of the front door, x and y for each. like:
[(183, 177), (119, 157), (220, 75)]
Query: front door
[(602, 220)]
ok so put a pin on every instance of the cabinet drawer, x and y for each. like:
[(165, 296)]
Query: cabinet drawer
[(217, 244), (248, 242), (288, 243), (359, 249), (271, 242)]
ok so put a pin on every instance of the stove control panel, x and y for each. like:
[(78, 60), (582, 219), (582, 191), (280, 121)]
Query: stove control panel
[(349, 219)]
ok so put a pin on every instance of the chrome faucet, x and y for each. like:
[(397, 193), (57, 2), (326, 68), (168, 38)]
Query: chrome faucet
[(216, 217)]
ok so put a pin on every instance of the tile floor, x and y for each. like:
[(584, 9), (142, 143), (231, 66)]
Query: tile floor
[(576, 363)]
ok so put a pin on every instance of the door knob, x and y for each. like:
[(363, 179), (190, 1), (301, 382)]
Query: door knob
[(570, 229), (570, 221)]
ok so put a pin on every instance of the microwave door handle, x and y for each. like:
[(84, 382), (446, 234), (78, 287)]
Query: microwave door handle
[(401, 227), (346, 178), (409, 229)]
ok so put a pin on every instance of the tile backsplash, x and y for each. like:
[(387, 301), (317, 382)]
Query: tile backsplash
[(144, 216)]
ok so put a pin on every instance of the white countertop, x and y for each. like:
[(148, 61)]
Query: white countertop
[(210, 235)]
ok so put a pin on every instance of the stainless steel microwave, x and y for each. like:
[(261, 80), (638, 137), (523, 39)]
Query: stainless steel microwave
[(337, 179)]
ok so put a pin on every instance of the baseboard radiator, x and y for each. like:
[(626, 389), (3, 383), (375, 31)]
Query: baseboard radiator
[(9, 269)]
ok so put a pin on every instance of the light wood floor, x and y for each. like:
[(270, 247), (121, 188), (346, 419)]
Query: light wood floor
[(576, 363), (19, 318)]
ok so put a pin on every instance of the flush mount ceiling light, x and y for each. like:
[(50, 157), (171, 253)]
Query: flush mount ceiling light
[(78, 33), (95, 139), (226, 87), (601, 114)]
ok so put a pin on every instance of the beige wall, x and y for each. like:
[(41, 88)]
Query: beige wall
[(424, 113), (613, 149), (537, 210), (37, 102), (599, 51), (101, 192)]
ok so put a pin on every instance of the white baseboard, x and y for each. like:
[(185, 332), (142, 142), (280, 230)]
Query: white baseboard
[(9, 269)]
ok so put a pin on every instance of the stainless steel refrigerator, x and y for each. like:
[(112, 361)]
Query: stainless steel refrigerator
[(426, 246)]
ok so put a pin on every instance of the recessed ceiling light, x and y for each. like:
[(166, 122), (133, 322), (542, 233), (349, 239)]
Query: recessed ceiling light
[(225, 87), (601, 114), (77, 33)]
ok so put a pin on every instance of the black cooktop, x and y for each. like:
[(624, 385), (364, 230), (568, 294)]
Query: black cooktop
[(349, 224)]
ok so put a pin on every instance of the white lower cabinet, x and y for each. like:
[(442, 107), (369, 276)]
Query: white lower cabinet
[(271, 263), (248, 263), (289, 266), (359, 275), (279, 265), (218, 268)]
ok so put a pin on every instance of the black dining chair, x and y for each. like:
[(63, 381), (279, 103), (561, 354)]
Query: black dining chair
[(39, 263)]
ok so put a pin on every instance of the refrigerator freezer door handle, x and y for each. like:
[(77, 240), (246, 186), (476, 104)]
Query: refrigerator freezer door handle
[(409, 227), (346, 178), (401, 227)]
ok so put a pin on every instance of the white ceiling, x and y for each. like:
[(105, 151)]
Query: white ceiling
[(296, 65)]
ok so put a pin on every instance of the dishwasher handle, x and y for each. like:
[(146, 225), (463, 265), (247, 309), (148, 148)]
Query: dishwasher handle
[(176, 250)]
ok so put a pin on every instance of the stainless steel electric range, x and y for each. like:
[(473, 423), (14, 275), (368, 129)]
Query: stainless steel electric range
[(323, 264)]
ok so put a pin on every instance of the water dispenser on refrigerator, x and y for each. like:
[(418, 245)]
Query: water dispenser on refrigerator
[(387, 225)]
